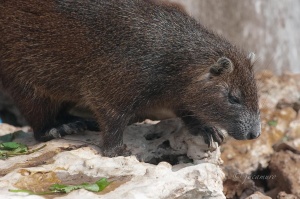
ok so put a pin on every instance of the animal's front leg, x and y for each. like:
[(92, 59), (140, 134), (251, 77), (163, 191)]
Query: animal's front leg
[(113, 127), (197, 127)]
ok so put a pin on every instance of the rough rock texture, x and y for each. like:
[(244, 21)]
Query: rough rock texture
[(283, 195), (285, 165), (238, 184), (274, 89), (132, 179), (76, 159), (258, 195), (168, 141)]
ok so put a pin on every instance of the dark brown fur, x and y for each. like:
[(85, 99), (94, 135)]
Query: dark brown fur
[(120, 58)]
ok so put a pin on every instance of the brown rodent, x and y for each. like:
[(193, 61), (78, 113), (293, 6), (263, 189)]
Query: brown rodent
[(122, 58)]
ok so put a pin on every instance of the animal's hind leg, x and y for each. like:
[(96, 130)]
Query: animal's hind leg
[(70, 124), (42, 115), (39, 112), (66, 124)]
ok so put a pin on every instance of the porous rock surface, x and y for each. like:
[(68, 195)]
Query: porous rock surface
[(286, 166), (77, 159), (258, 195)]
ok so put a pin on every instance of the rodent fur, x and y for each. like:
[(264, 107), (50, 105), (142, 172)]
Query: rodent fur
[(122, 58)]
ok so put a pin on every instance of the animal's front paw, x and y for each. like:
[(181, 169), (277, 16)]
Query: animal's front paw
[(212, 134)]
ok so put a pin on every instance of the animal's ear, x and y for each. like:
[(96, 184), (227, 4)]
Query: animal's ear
[(222, 66), (251, 57)]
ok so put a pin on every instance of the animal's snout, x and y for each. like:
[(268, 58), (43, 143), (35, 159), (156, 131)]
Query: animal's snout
[(253, 135), (254, 132)]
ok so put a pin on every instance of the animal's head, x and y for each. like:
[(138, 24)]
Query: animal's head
[(226, 96)]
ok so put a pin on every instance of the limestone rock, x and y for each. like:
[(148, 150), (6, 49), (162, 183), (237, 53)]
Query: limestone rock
[(75, 159)]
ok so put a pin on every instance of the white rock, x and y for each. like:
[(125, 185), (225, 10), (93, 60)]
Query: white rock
[(143, 180)]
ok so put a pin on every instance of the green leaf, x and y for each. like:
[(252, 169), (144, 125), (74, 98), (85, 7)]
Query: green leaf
[(92, 187), (21, 149), (58, 188), (13, 148), (61, 188), (95, 187), (272, 123), (102, 183), (9, 145), (10, 149)]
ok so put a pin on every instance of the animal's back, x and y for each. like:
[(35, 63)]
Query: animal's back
[(50, 44)]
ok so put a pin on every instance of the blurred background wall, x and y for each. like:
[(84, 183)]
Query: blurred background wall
[(270, 28)]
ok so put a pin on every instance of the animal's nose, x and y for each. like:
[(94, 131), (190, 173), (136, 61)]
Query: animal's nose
[(253, 135), (255, 132)]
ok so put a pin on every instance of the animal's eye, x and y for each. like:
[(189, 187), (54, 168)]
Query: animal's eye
[(234, 99)]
